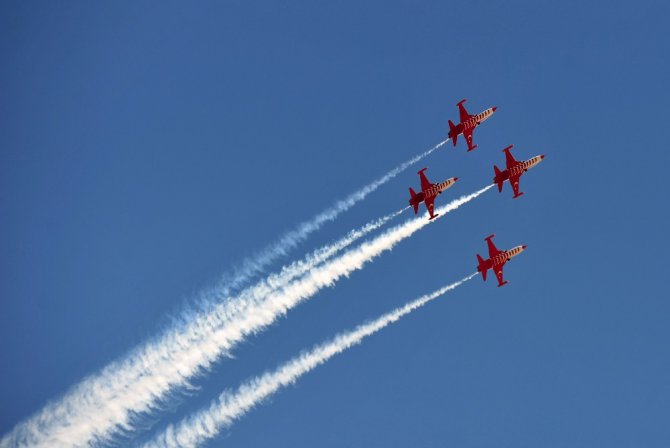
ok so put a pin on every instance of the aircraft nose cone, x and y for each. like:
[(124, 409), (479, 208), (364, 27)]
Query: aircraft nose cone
[(455, 179), (542, 157), (495, 108), (524, 247)]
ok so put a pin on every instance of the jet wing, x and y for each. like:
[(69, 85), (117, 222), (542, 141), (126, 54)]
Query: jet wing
[(468, 138), (509, 158), (425, 183), (493, 250), (430, 205), (464, 113), (498, 270)]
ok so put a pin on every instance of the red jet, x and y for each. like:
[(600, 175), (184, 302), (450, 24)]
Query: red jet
[(428, 193), (468, 124), (497, 259), (514, 170)]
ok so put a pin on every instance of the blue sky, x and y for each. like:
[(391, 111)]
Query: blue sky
[(146, 149)]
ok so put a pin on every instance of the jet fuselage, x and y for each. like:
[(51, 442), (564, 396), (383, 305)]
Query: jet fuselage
[(518, 169), (432, 192), (500, 259), (471, 123)]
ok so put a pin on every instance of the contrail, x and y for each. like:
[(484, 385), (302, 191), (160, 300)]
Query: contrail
[(300, 267), (92, 410), (252, 313), (101, 404), (229, 407), (319, 256), (255, 313), (97, 408), (256, 264)]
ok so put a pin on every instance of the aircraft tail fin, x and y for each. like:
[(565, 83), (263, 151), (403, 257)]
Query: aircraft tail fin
[(480, 266), (498, 178), (452, 132), (414, 203)]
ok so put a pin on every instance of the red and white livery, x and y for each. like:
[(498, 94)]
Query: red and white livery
[(428, 193), (497, 259), (514, 170), (468, 124)]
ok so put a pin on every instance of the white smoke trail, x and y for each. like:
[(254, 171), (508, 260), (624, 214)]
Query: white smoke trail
[(229, 407), (103, 403), (100, 404), (255, 265), (319, 256), (97, 409), (255, 313)]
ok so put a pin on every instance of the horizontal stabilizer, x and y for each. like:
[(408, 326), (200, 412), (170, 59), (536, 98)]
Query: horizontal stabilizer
[(413, 203), (498, 178), (480, 266), (452, 132)]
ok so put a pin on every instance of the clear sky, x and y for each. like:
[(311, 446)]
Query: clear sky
[(146, 148)]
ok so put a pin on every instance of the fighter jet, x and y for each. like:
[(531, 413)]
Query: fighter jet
[(468, 124), (514, 170), (428, 193), (497, 259)]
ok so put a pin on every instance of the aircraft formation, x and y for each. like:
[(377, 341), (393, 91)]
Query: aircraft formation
[(513, 171)]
